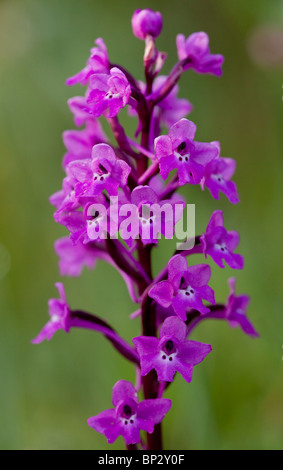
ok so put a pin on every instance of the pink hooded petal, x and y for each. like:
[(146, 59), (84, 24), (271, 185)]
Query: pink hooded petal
[(182, 129), (215, 220), (123, 390), (176, 267), (103, 151), (143, 194), (173, 326)]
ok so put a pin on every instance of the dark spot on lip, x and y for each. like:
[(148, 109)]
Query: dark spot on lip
[(101, 167), (183, 283), (93, 216), (169, 345), (181, 148), (127, 410)]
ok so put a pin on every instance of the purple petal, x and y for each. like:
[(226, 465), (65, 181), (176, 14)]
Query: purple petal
[(103, 420), (162, 293), (154, 409), (199, 274), (146, 345), (80, 170), (185, 370), (245, 324), (72, 258), (206, 293), (148, 362), (235, 261), (163, 147), (204, 152), (145, 425), (106, 423), (180, 306), (194, 352), (166, 164), (232, 240), (47, 332)]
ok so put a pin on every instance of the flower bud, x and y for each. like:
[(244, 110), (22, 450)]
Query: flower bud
[(146, 22)]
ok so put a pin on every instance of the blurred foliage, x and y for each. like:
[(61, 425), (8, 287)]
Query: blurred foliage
[(47, 392)]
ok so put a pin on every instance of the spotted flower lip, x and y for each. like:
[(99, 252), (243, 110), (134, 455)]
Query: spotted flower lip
[(108, 93), (104, 171), (98, 62), (59, 313), (180, 151), (185, 289), (217, 177), (172, 352), (196, 49), (236, 307), (220, 244), (129, 416)]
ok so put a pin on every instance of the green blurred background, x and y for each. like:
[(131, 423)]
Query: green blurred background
[(48, 391)]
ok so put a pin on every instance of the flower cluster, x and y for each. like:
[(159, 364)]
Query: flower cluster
[(140, 175)]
